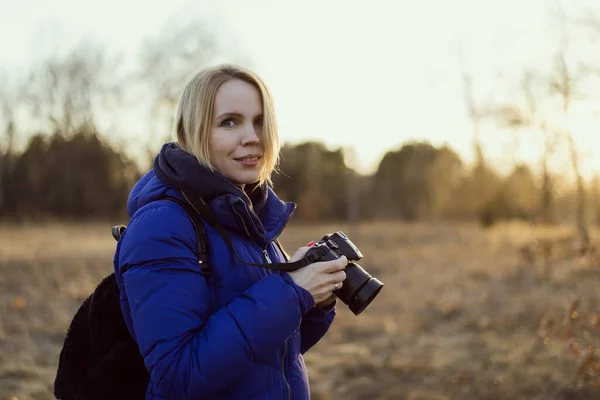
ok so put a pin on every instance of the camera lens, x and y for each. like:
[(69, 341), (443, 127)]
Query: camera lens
[(359, 288)]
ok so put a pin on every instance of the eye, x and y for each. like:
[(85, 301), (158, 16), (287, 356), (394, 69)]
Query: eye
[(228, 123), (258, 121)]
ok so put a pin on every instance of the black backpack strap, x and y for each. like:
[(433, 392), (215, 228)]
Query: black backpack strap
[(201, 237)]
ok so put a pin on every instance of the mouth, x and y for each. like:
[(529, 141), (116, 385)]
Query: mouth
[(250, 160)]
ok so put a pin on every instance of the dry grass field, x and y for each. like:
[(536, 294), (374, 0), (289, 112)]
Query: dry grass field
[(463, 315)]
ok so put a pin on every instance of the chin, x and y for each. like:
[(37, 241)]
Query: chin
[(246, 178)]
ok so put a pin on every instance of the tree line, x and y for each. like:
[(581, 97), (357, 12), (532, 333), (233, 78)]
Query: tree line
[(81, 177)]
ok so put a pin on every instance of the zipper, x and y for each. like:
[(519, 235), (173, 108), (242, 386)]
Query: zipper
[(287, 384), (266, 253), (289, 389)]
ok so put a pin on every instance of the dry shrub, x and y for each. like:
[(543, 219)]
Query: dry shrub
[(543, 253), (579, 330)]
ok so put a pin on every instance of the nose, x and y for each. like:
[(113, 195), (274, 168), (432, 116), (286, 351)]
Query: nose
[(250, 135)]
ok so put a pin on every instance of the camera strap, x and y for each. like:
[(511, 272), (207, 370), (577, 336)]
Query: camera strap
[(209, 216)]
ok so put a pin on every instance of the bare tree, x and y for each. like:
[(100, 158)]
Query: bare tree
[(529, 117), (590, 21), (167, 62), (68, 93), (478, 112), (565, 82), (9, 102), (352, 189), (6, 152), (549, 140), (596, 198)]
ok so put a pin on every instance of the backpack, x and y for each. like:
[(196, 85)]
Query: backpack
[(100, 359)]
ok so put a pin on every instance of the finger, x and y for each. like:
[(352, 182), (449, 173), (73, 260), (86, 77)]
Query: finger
[(334, 265), (327, 289), (333, 286), (299, 254), (338, 276)]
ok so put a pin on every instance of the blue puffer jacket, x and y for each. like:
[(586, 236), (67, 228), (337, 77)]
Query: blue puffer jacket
[(239, 334)]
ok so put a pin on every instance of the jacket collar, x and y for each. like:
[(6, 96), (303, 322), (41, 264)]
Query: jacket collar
[(256, 211)]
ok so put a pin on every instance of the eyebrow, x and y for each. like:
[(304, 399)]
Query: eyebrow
[(235, 114)]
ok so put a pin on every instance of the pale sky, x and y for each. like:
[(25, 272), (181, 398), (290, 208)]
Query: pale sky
[(365, 74)]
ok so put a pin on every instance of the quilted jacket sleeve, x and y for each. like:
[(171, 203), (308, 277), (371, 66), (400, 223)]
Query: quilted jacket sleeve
[(187, 351), (315, 323)]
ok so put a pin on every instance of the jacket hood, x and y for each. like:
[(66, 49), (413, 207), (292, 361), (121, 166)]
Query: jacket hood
[(253, 211)]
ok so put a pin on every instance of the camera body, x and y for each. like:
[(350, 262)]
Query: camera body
[(359, 288)]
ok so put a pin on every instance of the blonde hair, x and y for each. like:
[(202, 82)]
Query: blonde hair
[(194, 116)]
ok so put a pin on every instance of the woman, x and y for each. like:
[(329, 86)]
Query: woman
[(241, 333)]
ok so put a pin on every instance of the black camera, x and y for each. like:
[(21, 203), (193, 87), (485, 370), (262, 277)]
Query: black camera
[(359, 288)]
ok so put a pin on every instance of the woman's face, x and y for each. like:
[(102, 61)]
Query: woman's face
[(234, 142)]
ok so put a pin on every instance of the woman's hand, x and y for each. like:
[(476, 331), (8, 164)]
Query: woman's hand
[(321, 278)]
